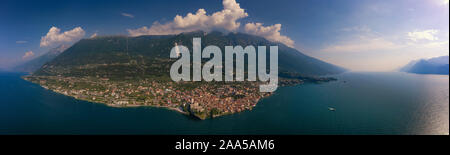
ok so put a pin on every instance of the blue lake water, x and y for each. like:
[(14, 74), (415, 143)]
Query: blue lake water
[(365, 103)]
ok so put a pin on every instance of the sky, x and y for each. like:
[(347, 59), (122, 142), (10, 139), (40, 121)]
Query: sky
[(360, 35)]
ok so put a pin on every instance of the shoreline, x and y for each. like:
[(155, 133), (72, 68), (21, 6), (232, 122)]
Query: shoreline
[(151, 106), (186, 108)]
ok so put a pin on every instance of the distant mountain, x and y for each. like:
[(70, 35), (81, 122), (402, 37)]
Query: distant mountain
[(36, 63), (149, 55), (443, 60), (438, 65)]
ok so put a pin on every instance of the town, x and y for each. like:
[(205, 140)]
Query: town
[(216, 62), (200, 99)]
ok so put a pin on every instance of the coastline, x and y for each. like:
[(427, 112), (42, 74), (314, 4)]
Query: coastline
[(197, 103), (186, 113)]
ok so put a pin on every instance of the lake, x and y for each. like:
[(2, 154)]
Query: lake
[(364, 103)]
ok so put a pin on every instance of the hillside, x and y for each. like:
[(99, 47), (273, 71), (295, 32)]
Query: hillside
[(149, 55), (121, 71), (36, 63), (438, 65)]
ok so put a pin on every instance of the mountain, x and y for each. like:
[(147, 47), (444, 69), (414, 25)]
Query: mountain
[(438, 65), (439, 60), (408, 66), (112, 56), (36, 63), (125, 71)]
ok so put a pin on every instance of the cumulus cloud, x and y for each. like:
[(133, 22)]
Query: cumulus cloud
[(423, 35), (225, 19), (128, 15), (54, 36), (271, 33), (28, 55)]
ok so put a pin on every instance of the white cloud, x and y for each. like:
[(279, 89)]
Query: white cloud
[(436, 44), (362, 44), (54, 36), (357, 29), (367, 41), (93, 35), (445, 2), (28, 55), (423, 35), (21, 42), (225, 19), (271, 33), (127, 15)]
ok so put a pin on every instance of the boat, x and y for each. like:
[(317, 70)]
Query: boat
[(331, 109)]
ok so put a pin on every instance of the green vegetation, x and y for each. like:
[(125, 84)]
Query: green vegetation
[(120, 57), (134, 71)]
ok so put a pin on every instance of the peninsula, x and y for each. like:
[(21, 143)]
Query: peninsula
[(125, 71)]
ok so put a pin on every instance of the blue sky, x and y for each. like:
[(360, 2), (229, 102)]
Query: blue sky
[(364, 35)]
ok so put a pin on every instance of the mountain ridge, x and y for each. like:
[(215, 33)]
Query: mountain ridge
[(34, 64), (134, 71), (144, 53), (437, 65)]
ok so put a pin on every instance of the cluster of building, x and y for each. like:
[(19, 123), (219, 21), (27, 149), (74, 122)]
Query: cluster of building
[(207, 98)]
